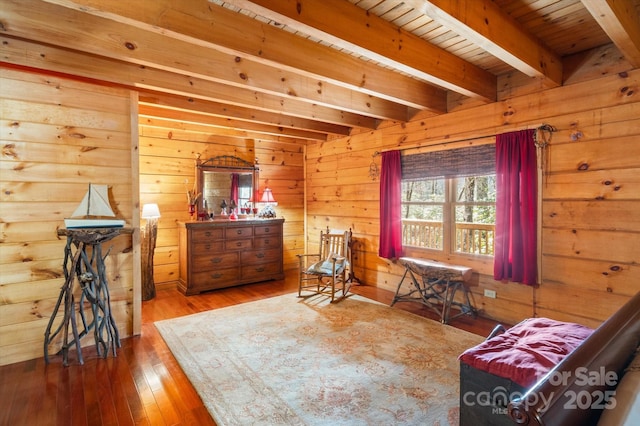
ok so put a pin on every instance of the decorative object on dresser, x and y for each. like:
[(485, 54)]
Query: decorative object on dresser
[(268, 202), (192, 198), (151, 213), (222, 253)]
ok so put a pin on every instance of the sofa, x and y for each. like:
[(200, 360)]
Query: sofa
[(546, 372)]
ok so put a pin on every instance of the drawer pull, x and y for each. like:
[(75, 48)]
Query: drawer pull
[(266, 230), (239, 232), (207, 246), (216, 276), (216, 260), (207, 233), (266, 242), (238, 244), (260, 255), (260, 269)]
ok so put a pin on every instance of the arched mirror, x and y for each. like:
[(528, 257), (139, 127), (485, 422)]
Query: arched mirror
[(223, 179)]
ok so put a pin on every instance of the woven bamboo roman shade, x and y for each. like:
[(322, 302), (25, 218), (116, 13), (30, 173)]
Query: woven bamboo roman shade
[(469, 161)]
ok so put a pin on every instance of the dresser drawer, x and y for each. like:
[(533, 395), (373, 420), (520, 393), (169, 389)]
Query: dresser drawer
[(213, 279), (245, 244), (210, 261), (260, 256), (198, 235), (261, 272), (204, 247), (261, 230), (267, 242), (238, 232)]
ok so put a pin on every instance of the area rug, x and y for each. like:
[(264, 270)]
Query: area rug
[(291, 361)]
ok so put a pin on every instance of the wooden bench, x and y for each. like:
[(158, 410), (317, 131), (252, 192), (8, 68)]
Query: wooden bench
[(436, 287)]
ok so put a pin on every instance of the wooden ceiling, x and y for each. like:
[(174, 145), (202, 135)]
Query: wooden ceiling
[(300, 70)]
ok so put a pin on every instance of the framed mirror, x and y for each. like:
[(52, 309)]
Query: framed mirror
[(225, 178)]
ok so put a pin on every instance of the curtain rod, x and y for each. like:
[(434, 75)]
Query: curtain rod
[(542, 127)]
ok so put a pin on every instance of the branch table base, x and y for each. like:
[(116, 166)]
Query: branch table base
[(84, 265), (436, 287)]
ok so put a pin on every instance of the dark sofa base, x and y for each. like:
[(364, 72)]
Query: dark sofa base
[(484, 397)]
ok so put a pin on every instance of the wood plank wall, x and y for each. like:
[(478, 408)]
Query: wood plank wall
[(57, 137), (167, 171), (591, 191)]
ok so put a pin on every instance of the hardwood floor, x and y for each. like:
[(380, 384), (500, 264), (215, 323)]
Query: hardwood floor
[(143, 385)]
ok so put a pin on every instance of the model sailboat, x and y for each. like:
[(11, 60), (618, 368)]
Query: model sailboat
[(94, 211)]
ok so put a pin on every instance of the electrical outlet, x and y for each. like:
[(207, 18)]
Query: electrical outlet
[(490, 293)]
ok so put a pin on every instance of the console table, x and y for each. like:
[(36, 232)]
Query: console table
[(84, 264), (436, 287)]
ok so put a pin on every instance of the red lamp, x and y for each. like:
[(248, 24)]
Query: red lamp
[(267, 201), (267, 197)]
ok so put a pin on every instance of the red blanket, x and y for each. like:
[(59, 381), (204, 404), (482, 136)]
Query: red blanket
[(527, 351)]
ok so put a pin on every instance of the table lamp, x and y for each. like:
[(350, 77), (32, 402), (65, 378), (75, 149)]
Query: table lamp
[(268, 201), (151, 213)]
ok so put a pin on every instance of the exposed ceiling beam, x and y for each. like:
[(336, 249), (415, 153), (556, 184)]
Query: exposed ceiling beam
[(240, 44), (621, 21), (350, 27), (147, 109), (72, 29), (240, 114), (212, 131), (284, 68), (34, 55), (485, 25)]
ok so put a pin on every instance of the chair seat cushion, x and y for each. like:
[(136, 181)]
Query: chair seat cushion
[(527, 351), (325, 267)]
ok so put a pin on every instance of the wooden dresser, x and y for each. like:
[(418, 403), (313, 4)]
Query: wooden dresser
[(224, 253)]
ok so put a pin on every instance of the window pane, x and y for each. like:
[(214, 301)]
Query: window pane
[(422, 233), (430, 190), (476, 188), (469, 213), (475, 214), (474, 229), (422, 212)]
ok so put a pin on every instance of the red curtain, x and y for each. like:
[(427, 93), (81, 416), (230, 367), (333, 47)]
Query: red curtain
[(235, 184), (390, 198), (516, 208)]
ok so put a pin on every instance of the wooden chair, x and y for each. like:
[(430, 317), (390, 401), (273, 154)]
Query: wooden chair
[(326, 272)]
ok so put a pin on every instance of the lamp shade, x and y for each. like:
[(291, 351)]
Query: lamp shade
[(150, 211), (267, 197)]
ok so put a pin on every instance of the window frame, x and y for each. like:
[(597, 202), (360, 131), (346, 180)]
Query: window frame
[(448, 217)]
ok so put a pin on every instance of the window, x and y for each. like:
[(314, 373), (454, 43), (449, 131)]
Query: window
[(423, 207), (474, 208), (453, 213)]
